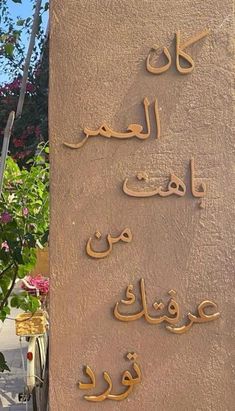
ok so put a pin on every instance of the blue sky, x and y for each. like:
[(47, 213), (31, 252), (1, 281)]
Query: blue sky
[(22, 10)]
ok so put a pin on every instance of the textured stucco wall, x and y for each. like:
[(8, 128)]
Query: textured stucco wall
[(97, 73)]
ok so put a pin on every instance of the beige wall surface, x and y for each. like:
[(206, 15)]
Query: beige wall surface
[(97, 74)]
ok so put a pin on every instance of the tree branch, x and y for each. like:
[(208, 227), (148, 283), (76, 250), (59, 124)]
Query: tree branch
[(6, 269), (9, 291), (28, 58)]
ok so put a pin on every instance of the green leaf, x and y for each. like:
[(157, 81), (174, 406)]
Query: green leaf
[(34, 303), (7, 310), (3, 364), (4, 312), (23, 270), (5, 283), (9, 49), (30, 259), (20, 22), (14, 301), (17, 255)]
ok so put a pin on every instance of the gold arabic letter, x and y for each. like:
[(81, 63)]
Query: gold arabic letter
[(175, 186), (130, 300), (125, 236), (181, 54), (87, 386), (203, 317), (101, 397), (128, 380), (193, 319), (196, 193), (158, 70), (129, 295)]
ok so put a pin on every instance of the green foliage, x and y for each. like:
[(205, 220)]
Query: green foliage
[(14, 36), (25, 301), (9, 49), (24, 222), (20, 22), (5, 311), (31, 127), (24, 208)]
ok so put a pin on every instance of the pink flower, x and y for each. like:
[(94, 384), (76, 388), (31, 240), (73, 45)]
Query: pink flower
[(14, 85), (25, 211), (5, 217), (30, 88), (39, 282), (18, 142), (5, 246)]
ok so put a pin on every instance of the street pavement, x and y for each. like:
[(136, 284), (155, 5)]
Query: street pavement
[(13, 382)]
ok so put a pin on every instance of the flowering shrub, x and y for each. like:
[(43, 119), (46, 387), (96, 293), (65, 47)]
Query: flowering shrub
[(24, 204), (31, 128), (39, 282), (5, 217), (24, 220)]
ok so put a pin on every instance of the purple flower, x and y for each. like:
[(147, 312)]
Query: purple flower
[(5, 246), (5, 217), (25, 212), (30, 87)]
